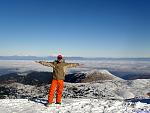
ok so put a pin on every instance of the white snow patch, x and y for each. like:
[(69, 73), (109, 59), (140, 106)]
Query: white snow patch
[(125, 94), (72, 106)]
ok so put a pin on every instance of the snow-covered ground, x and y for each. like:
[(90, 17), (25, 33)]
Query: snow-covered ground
[(73, 106), (109, 96)]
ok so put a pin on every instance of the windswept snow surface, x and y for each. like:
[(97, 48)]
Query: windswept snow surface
[(73, 106)]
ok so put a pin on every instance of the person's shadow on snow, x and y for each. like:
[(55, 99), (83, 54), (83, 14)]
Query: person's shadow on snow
[(139, 100), (39, 100)]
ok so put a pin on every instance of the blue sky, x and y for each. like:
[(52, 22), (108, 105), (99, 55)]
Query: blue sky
[(88, 28)]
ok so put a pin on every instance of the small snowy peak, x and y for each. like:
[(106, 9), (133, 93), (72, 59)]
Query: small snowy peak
[(98, 71), (96, 75)]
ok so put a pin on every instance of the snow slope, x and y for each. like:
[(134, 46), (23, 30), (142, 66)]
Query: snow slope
[(73, 106)]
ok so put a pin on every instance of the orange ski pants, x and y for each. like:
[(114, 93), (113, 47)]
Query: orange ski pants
[(57, 85)]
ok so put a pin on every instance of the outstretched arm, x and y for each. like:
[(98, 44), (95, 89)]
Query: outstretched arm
[(45, 63), (70, 65)]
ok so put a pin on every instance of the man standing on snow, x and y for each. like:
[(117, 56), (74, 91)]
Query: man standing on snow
[(59, 71)]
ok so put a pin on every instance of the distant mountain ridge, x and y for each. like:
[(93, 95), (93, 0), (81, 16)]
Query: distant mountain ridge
[(16, 57), (36, 58)]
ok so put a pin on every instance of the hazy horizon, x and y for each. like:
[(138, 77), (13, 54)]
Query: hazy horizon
[(72, 58)]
